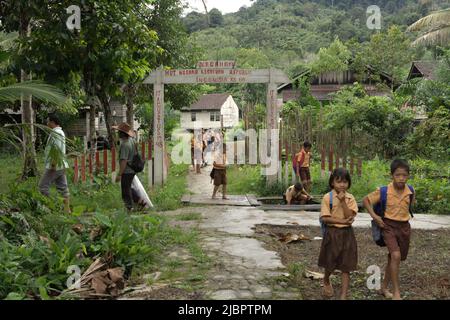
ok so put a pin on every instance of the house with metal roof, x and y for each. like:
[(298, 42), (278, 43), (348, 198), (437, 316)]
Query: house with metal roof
[(211, 111)]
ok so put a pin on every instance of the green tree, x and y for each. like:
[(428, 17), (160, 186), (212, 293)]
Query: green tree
[(334, 58), (387, 52), (434, 29), (215, 18), (114, 47), (431, 139)]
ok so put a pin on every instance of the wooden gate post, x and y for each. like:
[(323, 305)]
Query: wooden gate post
[(83, 167), (75, 170), (272, 124), (158, 128), (105, 161)]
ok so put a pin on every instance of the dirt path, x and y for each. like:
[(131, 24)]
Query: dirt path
[(245, 267), (247, 263)]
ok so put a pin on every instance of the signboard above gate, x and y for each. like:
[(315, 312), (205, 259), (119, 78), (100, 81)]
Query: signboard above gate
[(221, 64), (219, 75)]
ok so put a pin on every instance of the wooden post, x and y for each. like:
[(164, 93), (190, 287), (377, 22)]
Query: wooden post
[(280, 158), (286, 164), (105, 161), (359, 168), (97, 162), (83, 167), (143, 149), (90, 166), (352, 165), (149, 149), (322, 162), (272, 124), (113, 159), (75, 170), (158, 127), (330, 159), (150, 166), (336, 156)]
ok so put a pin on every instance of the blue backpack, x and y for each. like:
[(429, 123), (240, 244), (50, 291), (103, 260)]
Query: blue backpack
[(323, 225), (380, 208)]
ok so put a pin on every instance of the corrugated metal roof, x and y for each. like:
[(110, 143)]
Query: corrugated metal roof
[(212, 101)]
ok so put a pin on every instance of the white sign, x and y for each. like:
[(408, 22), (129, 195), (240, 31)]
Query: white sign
[(212, 75)]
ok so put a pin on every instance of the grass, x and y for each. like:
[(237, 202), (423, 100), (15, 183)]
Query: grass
[(189, 216), (140, 243)]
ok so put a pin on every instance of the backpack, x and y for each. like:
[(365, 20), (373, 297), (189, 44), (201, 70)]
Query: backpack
[(137, 163), (323, 225), (379, 209)]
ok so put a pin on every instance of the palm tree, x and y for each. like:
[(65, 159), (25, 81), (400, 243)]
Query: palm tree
[(37, 89), (17, 92), (435, 29)]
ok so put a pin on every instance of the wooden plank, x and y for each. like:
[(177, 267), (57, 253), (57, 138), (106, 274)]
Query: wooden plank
[(306, 207), (269, 198), (253, 201), (186, 198), (272, 124), (158, 129)]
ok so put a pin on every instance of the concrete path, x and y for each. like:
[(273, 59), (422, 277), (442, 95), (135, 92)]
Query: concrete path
[(243, 268)]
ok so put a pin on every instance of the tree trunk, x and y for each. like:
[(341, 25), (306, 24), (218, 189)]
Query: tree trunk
[(26, 108), (206, 13), (130, 92), (92, 113), (104, 100)]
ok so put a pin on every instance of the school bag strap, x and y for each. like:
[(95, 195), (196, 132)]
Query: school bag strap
[(323, 225), (331, 200), (411, 198), (380, 208)]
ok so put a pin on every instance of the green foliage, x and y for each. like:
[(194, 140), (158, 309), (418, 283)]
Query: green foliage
[(431, 139), (388, 52), (290, 31), (376, 118), (168, 197), (334, 58)]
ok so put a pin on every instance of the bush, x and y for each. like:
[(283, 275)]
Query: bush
[(431, 139)]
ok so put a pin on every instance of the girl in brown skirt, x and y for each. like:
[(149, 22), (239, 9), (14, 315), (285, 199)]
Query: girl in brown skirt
[(338, 250)]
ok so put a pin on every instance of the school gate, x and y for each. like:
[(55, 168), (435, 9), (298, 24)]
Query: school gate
[(208, 72)]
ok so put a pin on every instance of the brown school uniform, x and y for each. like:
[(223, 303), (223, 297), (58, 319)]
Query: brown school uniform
[(397, 231), (304, 168), (294, 196), (339, 249), (220, 171)]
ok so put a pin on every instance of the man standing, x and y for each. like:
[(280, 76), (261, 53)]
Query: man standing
[(126, 153), (55, 162)]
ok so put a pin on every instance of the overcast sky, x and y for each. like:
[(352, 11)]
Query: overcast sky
[(225, 6)]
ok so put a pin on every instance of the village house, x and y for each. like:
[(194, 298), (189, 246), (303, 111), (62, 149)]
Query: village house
[(324, 85), (421, 70), (209, 111)]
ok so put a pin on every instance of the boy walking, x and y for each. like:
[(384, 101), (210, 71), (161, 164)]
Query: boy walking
[(301, 165), (394, 225), (55, 162)]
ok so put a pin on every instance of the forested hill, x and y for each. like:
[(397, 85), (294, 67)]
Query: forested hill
[(286, 32)]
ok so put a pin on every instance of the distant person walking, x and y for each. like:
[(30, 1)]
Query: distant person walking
[(220, 172), (126, 153), (55, 162)]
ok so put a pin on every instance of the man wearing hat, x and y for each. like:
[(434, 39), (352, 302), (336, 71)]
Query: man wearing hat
[(126, 153)]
